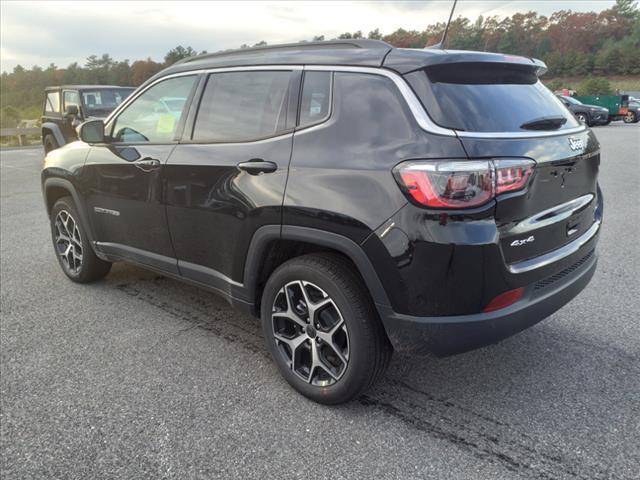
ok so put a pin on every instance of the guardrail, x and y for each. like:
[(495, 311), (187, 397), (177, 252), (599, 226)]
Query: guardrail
[(20, 133)]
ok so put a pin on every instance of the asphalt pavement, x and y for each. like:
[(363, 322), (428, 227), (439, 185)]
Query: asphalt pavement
[(140, 376)]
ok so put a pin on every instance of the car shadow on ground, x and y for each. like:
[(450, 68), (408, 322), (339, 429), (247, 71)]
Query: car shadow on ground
[(493, 402)]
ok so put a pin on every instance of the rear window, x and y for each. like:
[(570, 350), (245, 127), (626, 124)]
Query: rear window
[(486, 97)]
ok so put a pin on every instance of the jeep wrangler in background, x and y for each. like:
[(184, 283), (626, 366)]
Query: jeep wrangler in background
[(357, 198), (66, 106)]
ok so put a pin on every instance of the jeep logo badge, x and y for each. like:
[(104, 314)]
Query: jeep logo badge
[(576, 143)]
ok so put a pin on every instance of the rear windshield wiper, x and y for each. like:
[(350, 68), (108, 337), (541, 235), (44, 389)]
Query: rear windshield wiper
[(545, 123)]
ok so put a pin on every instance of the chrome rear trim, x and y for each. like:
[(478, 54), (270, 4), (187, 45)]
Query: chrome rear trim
[(559, 254), (551, 215)]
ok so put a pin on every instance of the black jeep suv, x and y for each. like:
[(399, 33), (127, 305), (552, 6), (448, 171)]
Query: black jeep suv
[(66, 106), (358, 198)]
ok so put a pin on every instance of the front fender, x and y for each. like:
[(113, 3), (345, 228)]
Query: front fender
[(53, 186), (54, 128)]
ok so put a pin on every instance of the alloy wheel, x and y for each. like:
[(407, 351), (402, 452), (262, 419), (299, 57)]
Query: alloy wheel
[(629, 117), (68, 241), (310, 333)]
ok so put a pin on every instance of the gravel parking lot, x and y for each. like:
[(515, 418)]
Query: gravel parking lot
[(140, 376)]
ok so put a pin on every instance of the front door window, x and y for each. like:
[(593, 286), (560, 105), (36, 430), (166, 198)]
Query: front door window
[(154, 116)]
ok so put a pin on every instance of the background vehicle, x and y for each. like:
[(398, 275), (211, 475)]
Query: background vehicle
[(356, 197), (587, 114), (617, 105), (66, 106), (633, 111)]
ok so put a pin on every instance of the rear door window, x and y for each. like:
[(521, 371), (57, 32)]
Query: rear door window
[(243, 106), (486, 97)]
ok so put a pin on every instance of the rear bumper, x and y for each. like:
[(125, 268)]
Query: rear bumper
[(449, 335), (599, 118)]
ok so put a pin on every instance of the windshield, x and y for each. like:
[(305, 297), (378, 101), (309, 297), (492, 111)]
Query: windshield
[(102, 101), (572, 100), (487, 97)]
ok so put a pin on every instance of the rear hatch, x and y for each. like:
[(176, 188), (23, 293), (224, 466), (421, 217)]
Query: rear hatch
[(502, 111)]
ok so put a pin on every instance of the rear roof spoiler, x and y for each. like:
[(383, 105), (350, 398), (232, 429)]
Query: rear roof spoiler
[(405, 60)]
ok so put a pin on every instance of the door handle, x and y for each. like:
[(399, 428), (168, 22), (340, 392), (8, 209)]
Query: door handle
[(256, 166), (147, 164)]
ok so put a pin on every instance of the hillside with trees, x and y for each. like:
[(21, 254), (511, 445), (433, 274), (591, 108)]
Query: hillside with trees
[(576, 44)]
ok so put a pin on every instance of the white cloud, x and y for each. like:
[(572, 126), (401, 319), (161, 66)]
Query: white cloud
[(38, 33)]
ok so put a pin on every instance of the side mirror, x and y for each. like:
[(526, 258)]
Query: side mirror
[(91, 131), (71, 111)]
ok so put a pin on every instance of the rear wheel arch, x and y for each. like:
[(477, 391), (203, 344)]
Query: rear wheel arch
[(270, 247)]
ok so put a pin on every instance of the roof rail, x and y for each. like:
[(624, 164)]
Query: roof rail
[(351, 43)]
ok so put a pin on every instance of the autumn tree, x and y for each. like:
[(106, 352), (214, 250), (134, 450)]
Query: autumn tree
[(141, 70)]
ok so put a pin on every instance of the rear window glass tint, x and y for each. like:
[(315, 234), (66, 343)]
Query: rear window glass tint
[(316, 97), (242, 106), (485, 97)]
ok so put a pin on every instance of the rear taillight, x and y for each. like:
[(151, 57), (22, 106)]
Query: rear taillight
[(464, 183), (512, 174)]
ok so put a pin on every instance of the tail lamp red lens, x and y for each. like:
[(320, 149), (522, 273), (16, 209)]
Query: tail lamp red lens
[(462, 184), (512, 174), (504, 300)]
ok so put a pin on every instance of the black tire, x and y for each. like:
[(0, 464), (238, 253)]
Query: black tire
[(69, 236), (584, 118), (368, 350), (49, 143), (630, 117), (608, 121)]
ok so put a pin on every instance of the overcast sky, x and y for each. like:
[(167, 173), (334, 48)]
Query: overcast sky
[(38, 33)]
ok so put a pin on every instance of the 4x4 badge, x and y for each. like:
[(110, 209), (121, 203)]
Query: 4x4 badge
[(524, 241), (576, 143)]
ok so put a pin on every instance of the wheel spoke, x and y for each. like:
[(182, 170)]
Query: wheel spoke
[(327, 339), (316, 307), (294, 344), (316, 362), (68, 241), (289, 313)]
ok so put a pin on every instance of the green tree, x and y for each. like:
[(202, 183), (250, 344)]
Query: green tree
[(9, 117), (375, 35), (556, 84), (595, 86), (627, 9), (178, 53)]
